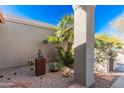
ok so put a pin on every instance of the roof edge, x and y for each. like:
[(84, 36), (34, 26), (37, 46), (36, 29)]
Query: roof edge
[(25, 21)]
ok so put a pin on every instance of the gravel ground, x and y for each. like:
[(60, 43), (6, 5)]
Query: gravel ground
[(105, 80), (24, 77)]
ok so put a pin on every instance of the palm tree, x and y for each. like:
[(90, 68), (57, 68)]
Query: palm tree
[(64, 34)]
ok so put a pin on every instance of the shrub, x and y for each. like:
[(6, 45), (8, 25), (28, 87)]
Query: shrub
[(105, 41), (54, 67), (64, 34), (106, 46)]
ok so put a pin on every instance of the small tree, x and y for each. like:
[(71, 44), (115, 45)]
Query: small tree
[(63, 39), (106, 44)]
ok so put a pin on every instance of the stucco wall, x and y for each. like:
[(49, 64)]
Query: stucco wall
[(20, 42), (84, 44)]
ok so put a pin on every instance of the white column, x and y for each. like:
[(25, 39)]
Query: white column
[(84, 44)]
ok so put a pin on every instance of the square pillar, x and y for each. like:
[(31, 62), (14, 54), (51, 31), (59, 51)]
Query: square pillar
[(84, 44)]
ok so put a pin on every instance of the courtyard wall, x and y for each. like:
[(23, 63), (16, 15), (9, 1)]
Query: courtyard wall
[(20, 40)]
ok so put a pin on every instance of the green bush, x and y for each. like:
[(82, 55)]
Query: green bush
[(54, 67), (106, 46), (64, 34)]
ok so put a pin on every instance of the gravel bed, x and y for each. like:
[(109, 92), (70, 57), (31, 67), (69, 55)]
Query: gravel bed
[(24, 77), (105, 80)]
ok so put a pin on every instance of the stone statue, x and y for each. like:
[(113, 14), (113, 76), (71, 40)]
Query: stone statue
[(39, 55)]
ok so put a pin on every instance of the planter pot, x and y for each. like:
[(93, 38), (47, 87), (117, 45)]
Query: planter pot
[(111, 64), (40, 66)]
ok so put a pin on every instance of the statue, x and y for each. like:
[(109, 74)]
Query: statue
[(39, 55)]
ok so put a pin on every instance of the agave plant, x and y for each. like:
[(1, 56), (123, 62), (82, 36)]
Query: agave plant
[(54, 67)]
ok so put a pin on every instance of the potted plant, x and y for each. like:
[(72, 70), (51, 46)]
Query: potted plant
[(112, 58)]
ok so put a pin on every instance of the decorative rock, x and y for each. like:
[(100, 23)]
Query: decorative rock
[(1, 76), (31, 68), (15, 73), (66, 71), (9, 78), (72, 72), (41, 77)]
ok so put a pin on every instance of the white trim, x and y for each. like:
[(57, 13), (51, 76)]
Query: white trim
[(26, 21), (75, 7)]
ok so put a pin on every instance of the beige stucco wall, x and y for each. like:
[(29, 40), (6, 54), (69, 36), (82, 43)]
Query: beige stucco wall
[(20, 42)]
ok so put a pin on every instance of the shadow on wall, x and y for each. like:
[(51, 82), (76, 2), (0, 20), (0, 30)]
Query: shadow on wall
[(84, 65), (80, 63)]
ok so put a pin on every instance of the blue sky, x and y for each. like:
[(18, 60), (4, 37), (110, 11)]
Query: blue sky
[(51, 14), (105, 14)]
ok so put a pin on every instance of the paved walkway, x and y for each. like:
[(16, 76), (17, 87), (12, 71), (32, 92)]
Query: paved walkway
[(120, 63), (119, 83)]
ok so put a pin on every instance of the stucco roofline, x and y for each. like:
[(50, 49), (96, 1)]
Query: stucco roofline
[(27, 21), (82, 6)]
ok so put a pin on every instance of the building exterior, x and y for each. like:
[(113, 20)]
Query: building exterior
[(20, 40)]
